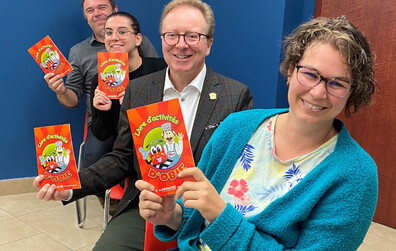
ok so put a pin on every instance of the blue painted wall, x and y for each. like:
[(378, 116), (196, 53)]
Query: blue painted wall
[(247, 47)]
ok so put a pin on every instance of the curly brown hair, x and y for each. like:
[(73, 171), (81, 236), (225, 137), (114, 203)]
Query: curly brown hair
[(349, 41)]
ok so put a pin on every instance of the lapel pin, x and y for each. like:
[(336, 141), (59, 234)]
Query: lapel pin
[(212, 96)]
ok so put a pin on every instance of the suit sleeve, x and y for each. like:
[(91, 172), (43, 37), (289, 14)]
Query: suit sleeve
[(245, 100), (115, 166)]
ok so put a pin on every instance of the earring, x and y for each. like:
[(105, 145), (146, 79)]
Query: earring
[(287, 83)]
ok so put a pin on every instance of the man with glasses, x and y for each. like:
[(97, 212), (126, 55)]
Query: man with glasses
[(83, 58), (206, 99)]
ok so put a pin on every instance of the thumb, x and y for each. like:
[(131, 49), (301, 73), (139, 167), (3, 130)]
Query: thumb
[(194, 172)]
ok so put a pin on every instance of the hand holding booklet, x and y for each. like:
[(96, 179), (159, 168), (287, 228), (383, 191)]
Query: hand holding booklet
[(55, 157), (113, 73), (161, 143)]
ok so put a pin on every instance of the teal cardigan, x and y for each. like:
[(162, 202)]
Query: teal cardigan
[(330, 209)]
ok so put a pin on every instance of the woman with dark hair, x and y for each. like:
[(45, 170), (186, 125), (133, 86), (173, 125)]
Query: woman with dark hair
[(280, 179), (121, 34)]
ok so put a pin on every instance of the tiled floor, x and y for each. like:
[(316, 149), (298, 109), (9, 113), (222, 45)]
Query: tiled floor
[(30, 224)]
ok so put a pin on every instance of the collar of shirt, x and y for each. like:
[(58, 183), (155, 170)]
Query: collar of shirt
[(197, 81), (93, 39)]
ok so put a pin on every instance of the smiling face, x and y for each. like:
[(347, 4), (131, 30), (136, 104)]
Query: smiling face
[(59, 150), (128, 43), (315, 105), (168, 136), (184, 60), (96, 12)]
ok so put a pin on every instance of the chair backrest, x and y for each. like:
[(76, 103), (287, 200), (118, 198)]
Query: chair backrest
[(151, 243), (85, 126), (117, 191)]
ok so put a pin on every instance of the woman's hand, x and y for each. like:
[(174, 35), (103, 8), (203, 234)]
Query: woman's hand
[(200, 195), (156, 209), (121, 97), (101, 101)]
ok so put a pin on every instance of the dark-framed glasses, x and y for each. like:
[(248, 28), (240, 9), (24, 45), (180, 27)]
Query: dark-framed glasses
[(334, 86), (122, 33), (190, 38)]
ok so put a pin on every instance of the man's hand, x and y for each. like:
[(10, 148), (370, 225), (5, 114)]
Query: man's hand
[(48, 192), (55, 83), (66, 96)]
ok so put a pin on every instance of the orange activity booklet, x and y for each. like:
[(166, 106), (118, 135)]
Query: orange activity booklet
[(55, 157), (49, 57), (113, 73), (161, 144)]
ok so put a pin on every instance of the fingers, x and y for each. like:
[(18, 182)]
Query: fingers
[(144, 185), (101, 101), (121, 94), (147, 194), (46, 192), (62, 195), (121, 100), (121, 97), (55, 82), (50, 193), (48, 76), (194, 172), (37, 181), (149, 202), (99, 92)]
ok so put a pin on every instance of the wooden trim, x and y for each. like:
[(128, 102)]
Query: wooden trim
[(318, 8)]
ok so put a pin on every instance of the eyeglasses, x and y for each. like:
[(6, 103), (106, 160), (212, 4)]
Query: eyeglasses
[(310, 78), (190, 38), (122, 33)]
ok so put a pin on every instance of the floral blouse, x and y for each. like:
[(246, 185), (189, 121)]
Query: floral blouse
[(259, 177)]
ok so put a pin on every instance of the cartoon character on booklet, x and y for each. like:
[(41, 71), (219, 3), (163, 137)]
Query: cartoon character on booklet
[(50, 59), (155, 155), (108, 78), (62, 159), (119, 75), (172, 149), (48, 162)]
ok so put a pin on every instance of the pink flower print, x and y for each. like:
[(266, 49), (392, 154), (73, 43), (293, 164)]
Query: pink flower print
[(269, 125), (244, 200), (238, 188)]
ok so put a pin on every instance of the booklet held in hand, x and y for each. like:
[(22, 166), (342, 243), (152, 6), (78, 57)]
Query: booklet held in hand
[(113, 73), (161, 143), (55, 157)]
